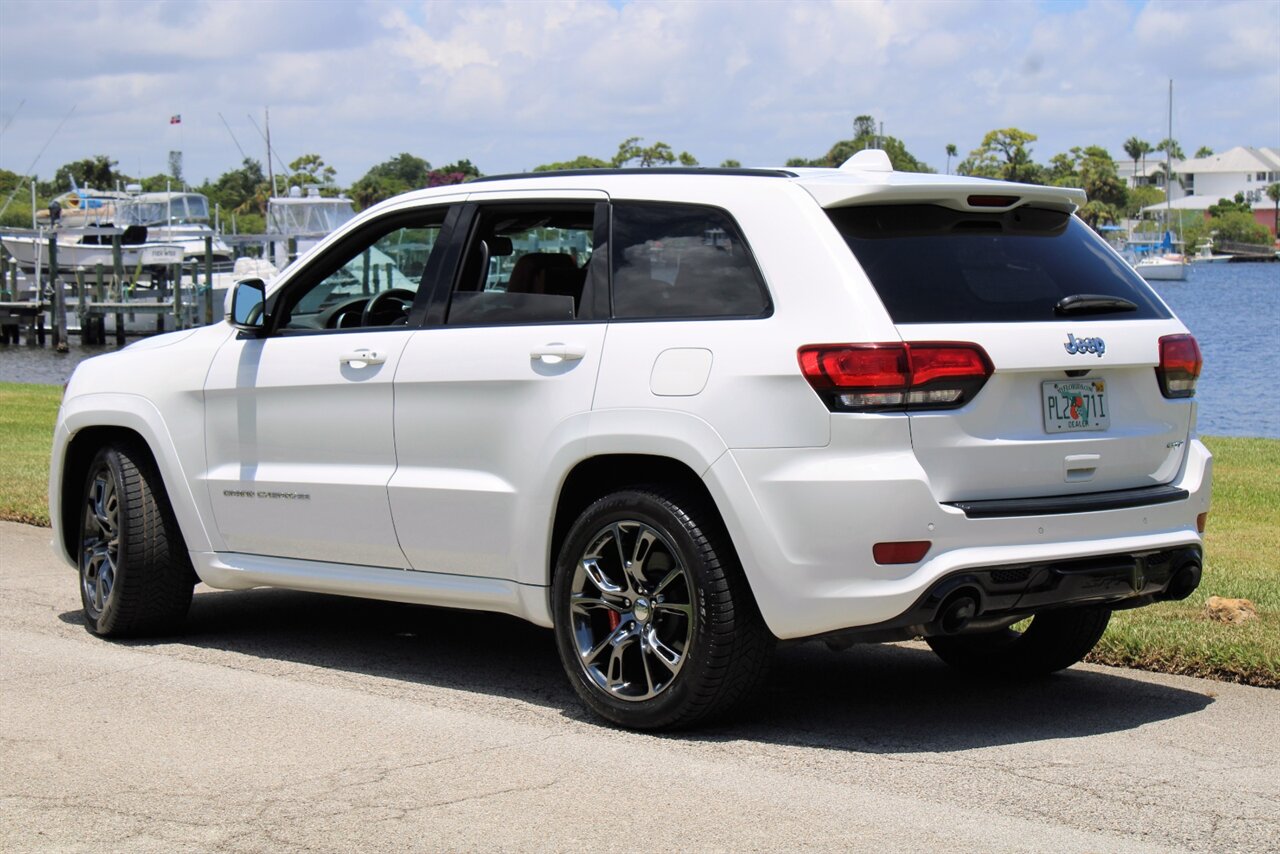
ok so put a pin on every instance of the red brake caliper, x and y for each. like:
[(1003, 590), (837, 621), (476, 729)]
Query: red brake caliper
[(614, 619)]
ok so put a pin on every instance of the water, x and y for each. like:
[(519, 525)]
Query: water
[(1233, 310)]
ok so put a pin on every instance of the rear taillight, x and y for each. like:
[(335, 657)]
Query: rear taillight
[(1179, 365), (895, 377)]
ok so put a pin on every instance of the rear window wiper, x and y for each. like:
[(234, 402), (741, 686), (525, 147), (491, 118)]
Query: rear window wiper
[(1093, 304)]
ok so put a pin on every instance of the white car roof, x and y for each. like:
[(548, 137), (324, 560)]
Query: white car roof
[(869, 180)]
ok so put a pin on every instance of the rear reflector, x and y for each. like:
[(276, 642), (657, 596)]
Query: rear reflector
[(895, 376), (1180, 365), (905, 552), (1201, 522)]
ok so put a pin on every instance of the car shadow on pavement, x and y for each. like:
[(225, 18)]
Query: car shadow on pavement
[(870, 699)]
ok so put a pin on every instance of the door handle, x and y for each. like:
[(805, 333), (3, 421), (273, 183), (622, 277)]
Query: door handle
[(558, 352), (362, 358)]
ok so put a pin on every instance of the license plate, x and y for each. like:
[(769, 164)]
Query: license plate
[(1075, 405)]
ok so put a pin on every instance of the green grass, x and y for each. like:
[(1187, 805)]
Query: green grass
[(27, 413), (1242, 560), (1242, 551)]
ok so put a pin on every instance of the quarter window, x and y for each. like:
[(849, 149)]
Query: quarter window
[(682, 261)]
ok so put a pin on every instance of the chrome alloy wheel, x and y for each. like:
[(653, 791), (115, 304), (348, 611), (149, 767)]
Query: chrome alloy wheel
[(100, 540), (631, 604)]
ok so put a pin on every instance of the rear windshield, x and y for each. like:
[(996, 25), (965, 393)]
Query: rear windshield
[(935, 265)]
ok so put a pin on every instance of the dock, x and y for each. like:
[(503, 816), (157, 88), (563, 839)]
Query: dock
[(36, 307)]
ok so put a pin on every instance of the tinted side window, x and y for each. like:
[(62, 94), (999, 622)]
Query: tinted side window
[(936, 265), (682, 261), (381, 265), (525, 264)]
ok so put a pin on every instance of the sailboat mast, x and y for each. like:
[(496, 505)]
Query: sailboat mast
[(1168, 165), (271, 175)]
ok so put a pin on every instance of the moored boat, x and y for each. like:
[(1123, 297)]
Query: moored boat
[(175, 218), (1163, 268), (85, 248)]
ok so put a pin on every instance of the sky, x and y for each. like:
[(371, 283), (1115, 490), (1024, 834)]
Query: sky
[(513, 84)]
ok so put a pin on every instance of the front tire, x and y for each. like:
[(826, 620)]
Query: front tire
[(654, 621), (135, 575), (1053, 641)]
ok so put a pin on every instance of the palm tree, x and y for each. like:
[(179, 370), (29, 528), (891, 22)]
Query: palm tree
[(1135, 148), (951, 152)]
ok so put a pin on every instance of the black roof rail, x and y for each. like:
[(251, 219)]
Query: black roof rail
[(653, 170)]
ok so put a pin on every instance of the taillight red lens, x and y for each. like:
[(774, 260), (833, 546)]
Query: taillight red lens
[(1180, 365), (857, 366), (901, 552), (895, 376)]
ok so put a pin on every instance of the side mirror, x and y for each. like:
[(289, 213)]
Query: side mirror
[(248, 303)]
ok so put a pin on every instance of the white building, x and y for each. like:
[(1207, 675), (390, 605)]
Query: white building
[(1218, 176), (1221, 176)]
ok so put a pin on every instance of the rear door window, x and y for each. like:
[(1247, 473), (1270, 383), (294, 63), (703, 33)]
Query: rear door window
[(673, 260), (931, 264), (526, 263)]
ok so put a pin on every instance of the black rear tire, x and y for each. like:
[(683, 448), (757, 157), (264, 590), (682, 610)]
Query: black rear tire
[(718, 655), (1053, 641), (135, 574)]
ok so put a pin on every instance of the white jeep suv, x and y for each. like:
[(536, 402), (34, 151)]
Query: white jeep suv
[(677, 415)]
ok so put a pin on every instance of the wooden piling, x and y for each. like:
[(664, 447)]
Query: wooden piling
[(117, 260), (58, 304), (177, 301), (82, 308), (208, 280)]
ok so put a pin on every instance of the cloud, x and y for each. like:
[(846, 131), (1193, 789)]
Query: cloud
[(515, 84)]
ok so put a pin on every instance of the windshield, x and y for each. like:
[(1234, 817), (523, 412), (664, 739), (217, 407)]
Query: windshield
[(149, 210), (931, 264), (308, 216)]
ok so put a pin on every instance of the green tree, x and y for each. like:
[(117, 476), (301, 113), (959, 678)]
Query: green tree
[(630, 151), (1229, 226), (1273, 193), (1004, 154), (1175, 153), (687, 159), (582, 161), (404, 170), (730, 164), (1064, 169), (400, 174), (1138, 150), (98, 172), (310, 169), (951, 152), (1099, 177), (15, 191), (1204, 151), (1226, 206), (371, 189), (1143, 196), (235, 190), (1096, 213), (864, 127), (462, 167)]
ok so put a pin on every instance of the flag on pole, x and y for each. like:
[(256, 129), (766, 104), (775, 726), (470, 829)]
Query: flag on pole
[(175, 120)]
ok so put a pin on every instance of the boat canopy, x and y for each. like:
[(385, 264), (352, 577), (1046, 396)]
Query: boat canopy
[(308, 215), (163, 208)]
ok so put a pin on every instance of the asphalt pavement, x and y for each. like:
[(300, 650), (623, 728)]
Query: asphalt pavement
[(286, 721)]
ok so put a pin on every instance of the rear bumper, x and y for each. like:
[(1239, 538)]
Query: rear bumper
[(804, 522), (974, 598)]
